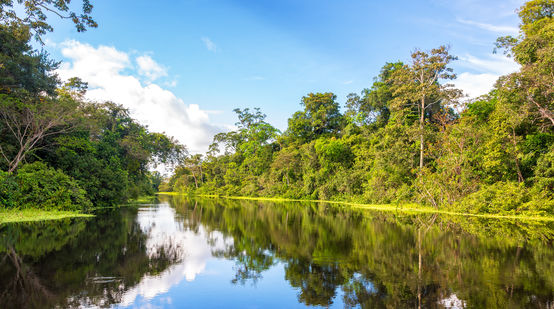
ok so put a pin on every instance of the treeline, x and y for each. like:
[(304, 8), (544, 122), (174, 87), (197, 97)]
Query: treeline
[(57, 150), (410, 137)]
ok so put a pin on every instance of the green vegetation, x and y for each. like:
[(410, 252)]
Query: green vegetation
[(407, 208), (58, 151), (408, 138), (146, 199), (28, 215)]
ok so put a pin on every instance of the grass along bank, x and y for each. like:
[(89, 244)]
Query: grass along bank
[(30, 215), (406, 208)]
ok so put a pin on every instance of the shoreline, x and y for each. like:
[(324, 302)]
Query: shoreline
[(405, 208), (36, 215)]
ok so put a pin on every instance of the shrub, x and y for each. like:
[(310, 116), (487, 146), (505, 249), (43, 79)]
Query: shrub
[(542, 200), (332, 151), (501, 197), (544, 173), (43, 187), (9, 190)]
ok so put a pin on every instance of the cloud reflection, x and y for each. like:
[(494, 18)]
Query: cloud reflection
[(166, 232)]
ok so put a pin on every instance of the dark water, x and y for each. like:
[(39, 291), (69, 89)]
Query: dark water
[(213, 253)]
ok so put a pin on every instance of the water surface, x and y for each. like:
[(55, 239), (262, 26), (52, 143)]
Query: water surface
[(216, 253)]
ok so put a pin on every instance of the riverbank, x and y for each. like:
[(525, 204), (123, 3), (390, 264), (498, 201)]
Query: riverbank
[(30, 215), (406, 208)]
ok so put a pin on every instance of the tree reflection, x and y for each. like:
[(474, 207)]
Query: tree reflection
[(382, 259), (317, 283), (329, 254), (74, 263)]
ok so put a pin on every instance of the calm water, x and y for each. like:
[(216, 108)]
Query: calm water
[(213, 253)]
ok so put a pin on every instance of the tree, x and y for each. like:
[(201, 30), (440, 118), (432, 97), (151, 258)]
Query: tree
[(405, 139), (321, 116), (254, 131), (23, 68), (35, 15), (533, 49), (29, 119), (194, 165), (373, 107), (417, 85), (32, 107)]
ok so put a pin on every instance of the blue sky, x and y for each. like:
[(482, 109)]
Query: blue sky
[(213, 56)]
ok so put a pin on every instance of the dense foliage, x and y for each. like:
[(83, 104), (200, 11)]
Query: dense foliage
[(57, 150), (409, 137)]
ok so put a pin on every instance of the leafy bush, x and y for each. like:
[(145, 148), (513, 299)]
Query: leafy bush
[(540, 204), (544, 173), (501, 197), (94, 167), (9, 190), (332, 151), (40, 186)]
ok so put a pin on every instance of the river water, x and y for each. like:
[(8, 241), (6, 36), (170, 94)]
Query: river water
[(181, 252)]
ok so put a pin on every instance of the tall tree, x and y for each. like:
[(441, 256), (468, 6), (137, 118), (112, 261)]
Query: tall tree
[(373, 106), (417, 85), (27, 119), (23, 68), (533, 49), (321, 116), (194, 164)]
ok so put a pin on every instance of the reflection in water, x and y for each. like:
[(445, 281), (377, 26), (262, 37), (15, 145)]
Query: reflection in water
[(166, 232), (77, 262), (182, 250)]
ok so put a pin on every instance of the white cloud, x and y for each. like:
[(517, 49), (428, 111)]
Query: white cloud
[(348, 82), (210, 45), (171, 84), (109, 74), (489, 27), (475, 85), (495, 63), (485, 72), (150, 68)]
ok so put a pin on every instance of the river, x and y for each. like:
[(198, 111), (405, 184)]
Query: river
[(182, 252)]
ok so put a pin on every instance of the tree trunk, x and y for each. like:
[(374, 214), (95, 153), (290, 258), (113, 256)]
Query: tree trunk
[(18, 158), (195, 181), (421, 136), (520, 178), (419, 281), (13, 165), (544, 112)]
